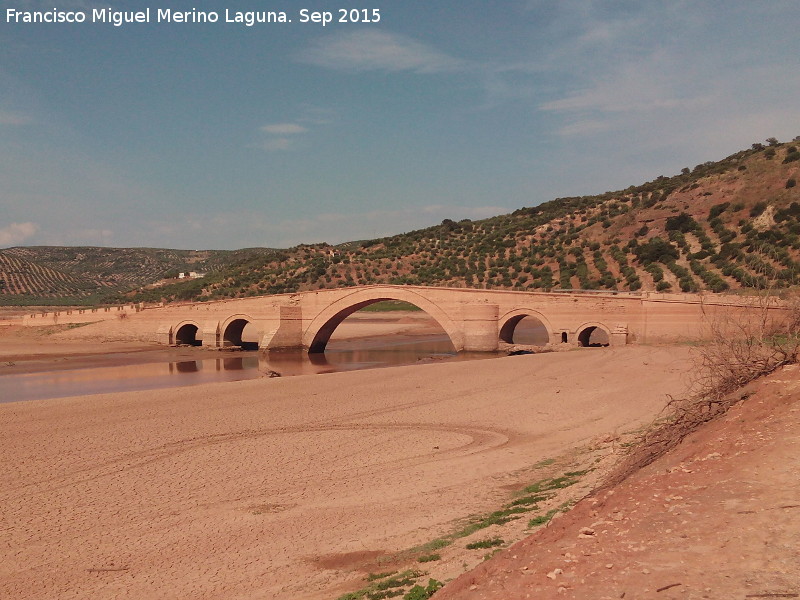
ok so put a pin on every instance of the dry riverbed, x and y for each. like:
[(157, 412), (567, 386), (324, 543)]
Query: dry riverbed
[(297, 487)]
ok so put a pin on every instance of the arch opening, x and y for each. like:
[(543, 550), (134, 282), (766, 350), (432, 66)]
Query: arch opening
[(385, 322), (593, 337), (241, 333), (525, 329), (187, 335)]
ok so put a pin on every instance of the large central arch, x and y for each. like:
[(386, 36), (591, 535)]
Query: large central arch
[(317, 335)]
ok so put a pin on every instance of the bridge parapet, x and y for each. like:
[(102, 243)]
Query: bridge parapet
[(80, 315)]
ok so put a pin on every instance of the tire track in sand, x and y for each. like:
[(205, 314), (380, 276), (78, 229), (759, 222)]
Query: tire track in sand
[(480, 440)]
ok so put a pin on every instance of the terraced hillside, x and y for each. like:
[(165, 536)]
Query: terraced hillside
[(88, 275), (19, 276), (720, 226)]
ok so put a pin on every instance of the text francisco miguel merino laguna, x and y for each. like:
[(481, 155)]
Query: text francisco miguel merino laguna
[(162, 15)]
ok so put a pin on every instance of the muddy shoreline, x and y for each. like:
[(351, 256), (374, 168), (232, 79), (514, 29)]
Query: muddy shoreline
[(54, 348)]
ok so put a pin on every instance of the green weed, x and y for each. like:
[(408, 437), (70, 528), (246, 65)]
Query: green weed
[(530, 500), (421, 593), (489, 555), (557, 483), (429, 558), (542, 519), (376, 576), (489, 543), (384, 585)]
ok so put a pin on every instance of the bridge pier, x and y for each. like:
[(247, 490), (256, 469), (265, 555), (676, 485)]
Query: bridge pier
[(481, 327), (619, 336), (286, 332), (164, 334), (211, 334)]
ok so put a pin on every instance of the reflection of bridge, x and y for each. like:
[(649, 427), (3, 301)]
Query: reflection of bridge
[(475, 320)]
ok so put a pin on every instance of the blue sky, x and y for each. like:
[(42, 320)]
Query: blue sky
[(190, 135)]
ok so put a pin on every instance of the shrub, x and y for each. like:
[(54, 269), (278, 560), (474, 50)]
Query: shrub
[(792, 157), (656, 250), (790, 183), (655, 271), (683, 223), (663, 286), (717, 210), (758, 208)]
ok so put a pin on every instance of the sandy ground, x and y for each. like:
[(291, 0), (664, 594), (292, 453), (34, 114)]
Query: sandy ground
[(289, 487), (717, 518)]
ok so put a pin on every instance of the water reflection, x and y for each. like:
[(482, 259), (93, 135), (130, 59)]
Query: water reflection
[(185, 367), (340, 356)]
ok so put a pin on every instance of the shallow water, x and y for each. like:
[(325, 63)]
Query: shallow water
[(340, 356)]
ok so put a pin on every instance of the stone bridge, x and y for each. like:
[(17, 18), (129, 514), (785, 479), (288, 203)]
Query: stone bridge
[(475, 320)]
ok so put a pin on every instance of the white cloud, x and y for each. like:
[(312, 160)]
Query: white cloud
[(650, 83), (656, 103), (377, 51), (635, 95), (16, 233), (284, 136), (284, 129), (281, 136)]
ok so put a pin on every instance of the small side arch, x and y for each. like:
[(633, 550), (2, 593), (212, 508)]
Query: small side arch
[(318, 333), (186, 333), (509, 321), (593, 334), (231, 330)]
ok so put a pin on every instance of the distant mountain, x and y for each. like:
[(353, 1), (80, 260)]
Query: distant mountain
[(726, 225)]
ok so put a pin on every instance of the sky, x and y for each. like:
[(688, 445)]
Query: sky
[(223, 136)]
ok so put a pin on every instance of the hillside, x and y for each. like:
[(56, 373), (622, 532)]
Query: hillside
[(715, 518), (88, 275), (720, 226)]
